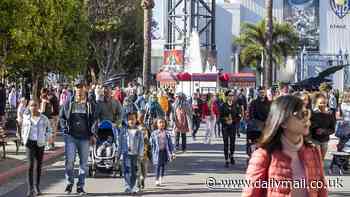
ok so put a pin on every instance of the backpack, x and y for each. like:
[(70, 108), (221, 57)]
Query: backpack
[(48, 110), (55, 105)]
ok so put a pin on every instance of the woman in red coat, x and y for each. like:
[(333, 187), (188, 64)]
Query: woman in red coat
[(286, 164)]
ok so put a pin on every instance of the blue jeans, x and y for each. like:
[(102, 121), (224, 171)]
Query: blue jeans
[(160, 167), (73, 145), (130, 171)]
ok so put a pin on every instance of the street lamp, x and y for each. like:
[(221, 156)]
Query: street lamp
[(302, 72)]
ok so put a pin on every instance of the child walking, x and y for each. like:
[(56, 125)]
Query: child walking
[(163, 149), (143, 164), (131, 144)]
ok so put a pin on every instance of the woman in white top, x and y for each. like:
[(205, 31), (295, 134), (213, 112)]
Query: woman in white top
[(21, 110), (35, 128)]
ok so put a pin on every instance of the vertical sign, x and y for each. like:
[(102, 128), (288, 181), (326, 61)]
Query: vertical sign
[(304, 16)]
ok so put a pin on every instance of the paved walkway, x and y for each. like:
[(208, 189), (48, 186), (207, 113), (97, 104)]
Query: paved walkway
[(15, 164), (186, 176)]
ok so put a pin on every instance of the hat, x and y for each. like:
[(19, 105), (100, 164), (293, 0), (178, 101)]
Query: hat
[(79, 81)]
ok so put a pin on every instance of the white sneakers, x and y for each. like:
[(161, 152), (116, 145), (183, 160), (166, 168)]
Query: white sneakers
[(159, 181)]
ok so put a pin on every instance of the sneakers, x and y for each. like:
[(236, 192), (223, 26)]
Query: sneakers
[(37, 191), (31, 193), (68, 189), (50, 147), (226, 164), (127, 190), (81, 191), (142, 184), (157, 183)]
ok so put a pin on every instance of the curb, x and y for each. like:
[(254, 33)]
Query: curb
[(22, 168)]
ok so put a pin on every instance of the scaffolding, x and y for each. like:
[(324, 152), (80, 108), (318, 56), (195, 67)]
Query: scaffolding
[(187, 16)]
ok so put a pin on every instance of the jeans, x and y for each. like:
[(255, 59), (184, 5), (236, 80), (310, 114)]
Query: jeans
[(72, 146), (142, 173), (130, 171), (160, 167), (218, 127), (183, 139), (229, 136), (196, 124), (34, 154), (210, 124)]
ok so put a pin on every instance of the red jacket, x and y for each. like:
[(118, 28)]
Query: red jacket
[(119, 95), (215, 109), (205, 109), (280, 169)]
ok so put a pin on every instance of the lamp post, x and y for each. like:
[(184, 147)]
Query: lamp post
[(302, 70), (346, 70)]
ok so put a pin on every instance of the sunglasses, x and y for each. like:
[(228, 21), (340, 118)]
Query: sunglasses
[(230, 95), (302, 115)]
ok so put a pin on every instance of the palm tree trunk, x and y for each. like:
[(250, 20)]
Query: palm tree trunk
[(147, 6), (269, 29)]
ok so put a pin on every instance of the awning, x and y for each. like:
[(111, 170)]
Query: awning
[(242, 77), (204, 76), (166, 76), (184, 76)]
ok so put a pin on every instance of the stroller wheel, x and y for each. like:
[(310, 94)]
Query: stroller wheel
[(90, 171)]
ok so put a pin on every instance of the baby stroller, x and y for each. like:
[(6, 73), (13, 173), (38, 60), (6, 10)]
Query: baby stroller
[(104, 154), (341, 157)]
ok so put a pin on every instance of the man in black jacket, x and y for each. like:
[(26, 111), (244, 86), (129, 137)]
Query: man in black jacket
[(77, 121), (230, 117), (258, 111)]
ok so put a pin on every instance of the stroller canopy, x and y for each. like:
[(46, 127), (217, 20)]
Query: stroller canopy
[(106, 125)]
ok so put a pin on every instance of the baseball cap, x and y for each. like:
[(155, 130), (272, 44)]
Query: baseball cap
[(79, 81)]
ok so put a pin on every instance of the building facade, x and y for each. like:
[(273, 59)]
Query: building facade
[(323, 25)]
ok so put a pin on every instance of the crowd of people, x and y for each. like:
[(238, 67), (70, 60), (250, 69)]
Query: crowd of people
[(149, 124)]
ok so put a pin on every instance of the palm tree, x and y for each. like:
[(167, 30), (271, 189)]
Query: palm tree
[(147, 5), (253, 43), (268, 63)]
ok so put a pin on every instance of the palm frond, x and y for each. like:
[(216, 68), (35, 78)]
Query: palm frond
[(253, 42)]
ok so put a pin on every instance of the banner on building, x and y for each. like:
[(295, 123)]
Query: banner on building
[(304, 16), (173, 60)]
